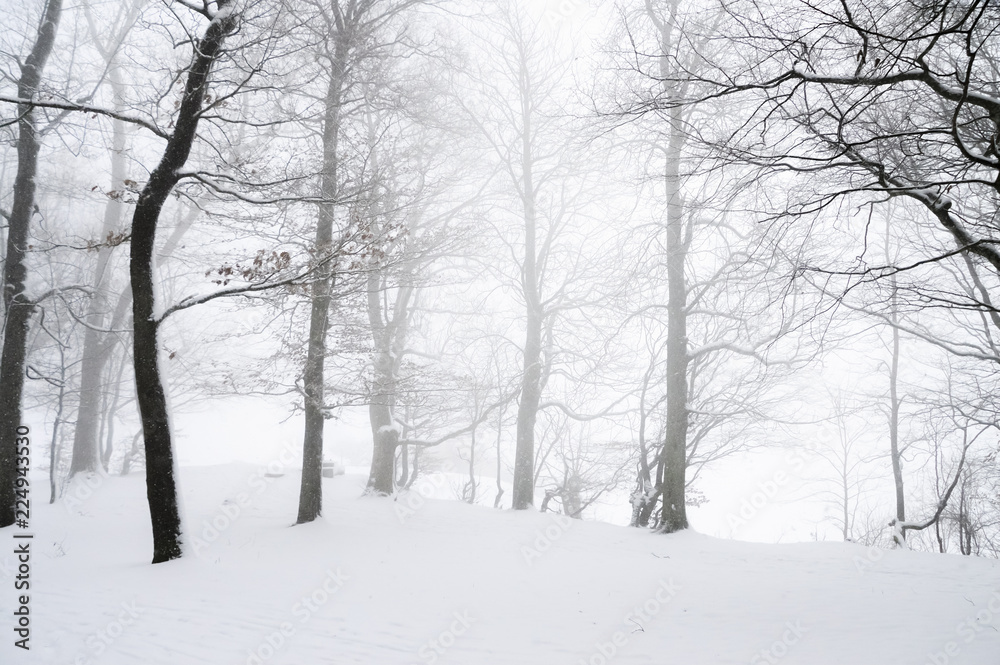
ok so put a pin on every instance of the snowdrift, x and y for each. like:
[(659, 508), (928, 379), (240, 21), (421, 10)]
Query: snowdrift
[(416, 580)]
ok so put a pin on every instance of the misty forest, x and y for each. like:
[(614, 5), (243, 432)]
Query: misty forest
[(525, 285)]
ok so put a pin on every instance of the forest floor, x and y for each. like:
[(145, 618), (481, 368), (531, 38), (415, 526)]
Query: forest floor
[(387, 582)]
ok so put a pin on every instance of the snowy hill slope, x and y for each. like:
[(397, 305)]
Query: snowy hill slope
[(385, 582)]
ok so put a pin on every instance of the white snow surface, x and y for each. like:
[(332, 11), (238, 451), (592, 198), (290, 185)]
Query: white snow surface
[(413, 580)]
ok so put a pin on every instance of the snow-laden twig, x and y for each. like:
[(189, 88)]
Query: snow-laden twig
[(62, 289)]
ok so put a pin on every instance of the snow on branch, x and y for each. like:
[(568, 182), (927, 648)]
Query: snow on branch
[(205, 8), (87, 108), (749, 351), (60, 290), (579, 417), (191, 301)]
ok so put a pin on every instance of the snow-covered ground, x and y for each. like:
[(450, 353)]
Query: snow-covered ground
[(381, 581)]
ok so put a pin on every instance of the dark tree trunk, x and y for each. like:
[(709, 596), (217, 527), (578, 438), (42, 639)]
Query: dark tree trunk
[(119, 319), (311, 488), (161, 489), (18, 308)]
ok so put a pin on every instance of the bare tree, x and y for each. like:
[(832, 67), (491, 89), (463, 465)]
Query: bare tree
[(711, 355), (878, 102), (884, 102), (96, 346), (161, 489), (349, 33), (545, 187), (845, 459), (18, 307), (959, 417)]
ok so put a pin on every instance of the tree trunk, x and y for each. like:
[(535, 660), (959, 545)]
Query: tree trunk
[(845, 491), (109, 414), (674, 467), (531, 377), (500, 491), (389, 337), (311, 488), (527, 414), (403, 451), (470, 490), (131, 454), (54, 442), (161, 490), (642, 503), (385, 432), (894, 401), (894, 404), (385, 437), (110, 341), (17, 306), (96, 351), (404, 465), (672, 464)]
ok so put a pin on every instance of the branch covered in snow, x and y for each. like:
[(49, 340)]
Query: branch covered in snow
[(258, 287), (573, 415), (86, 108)]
